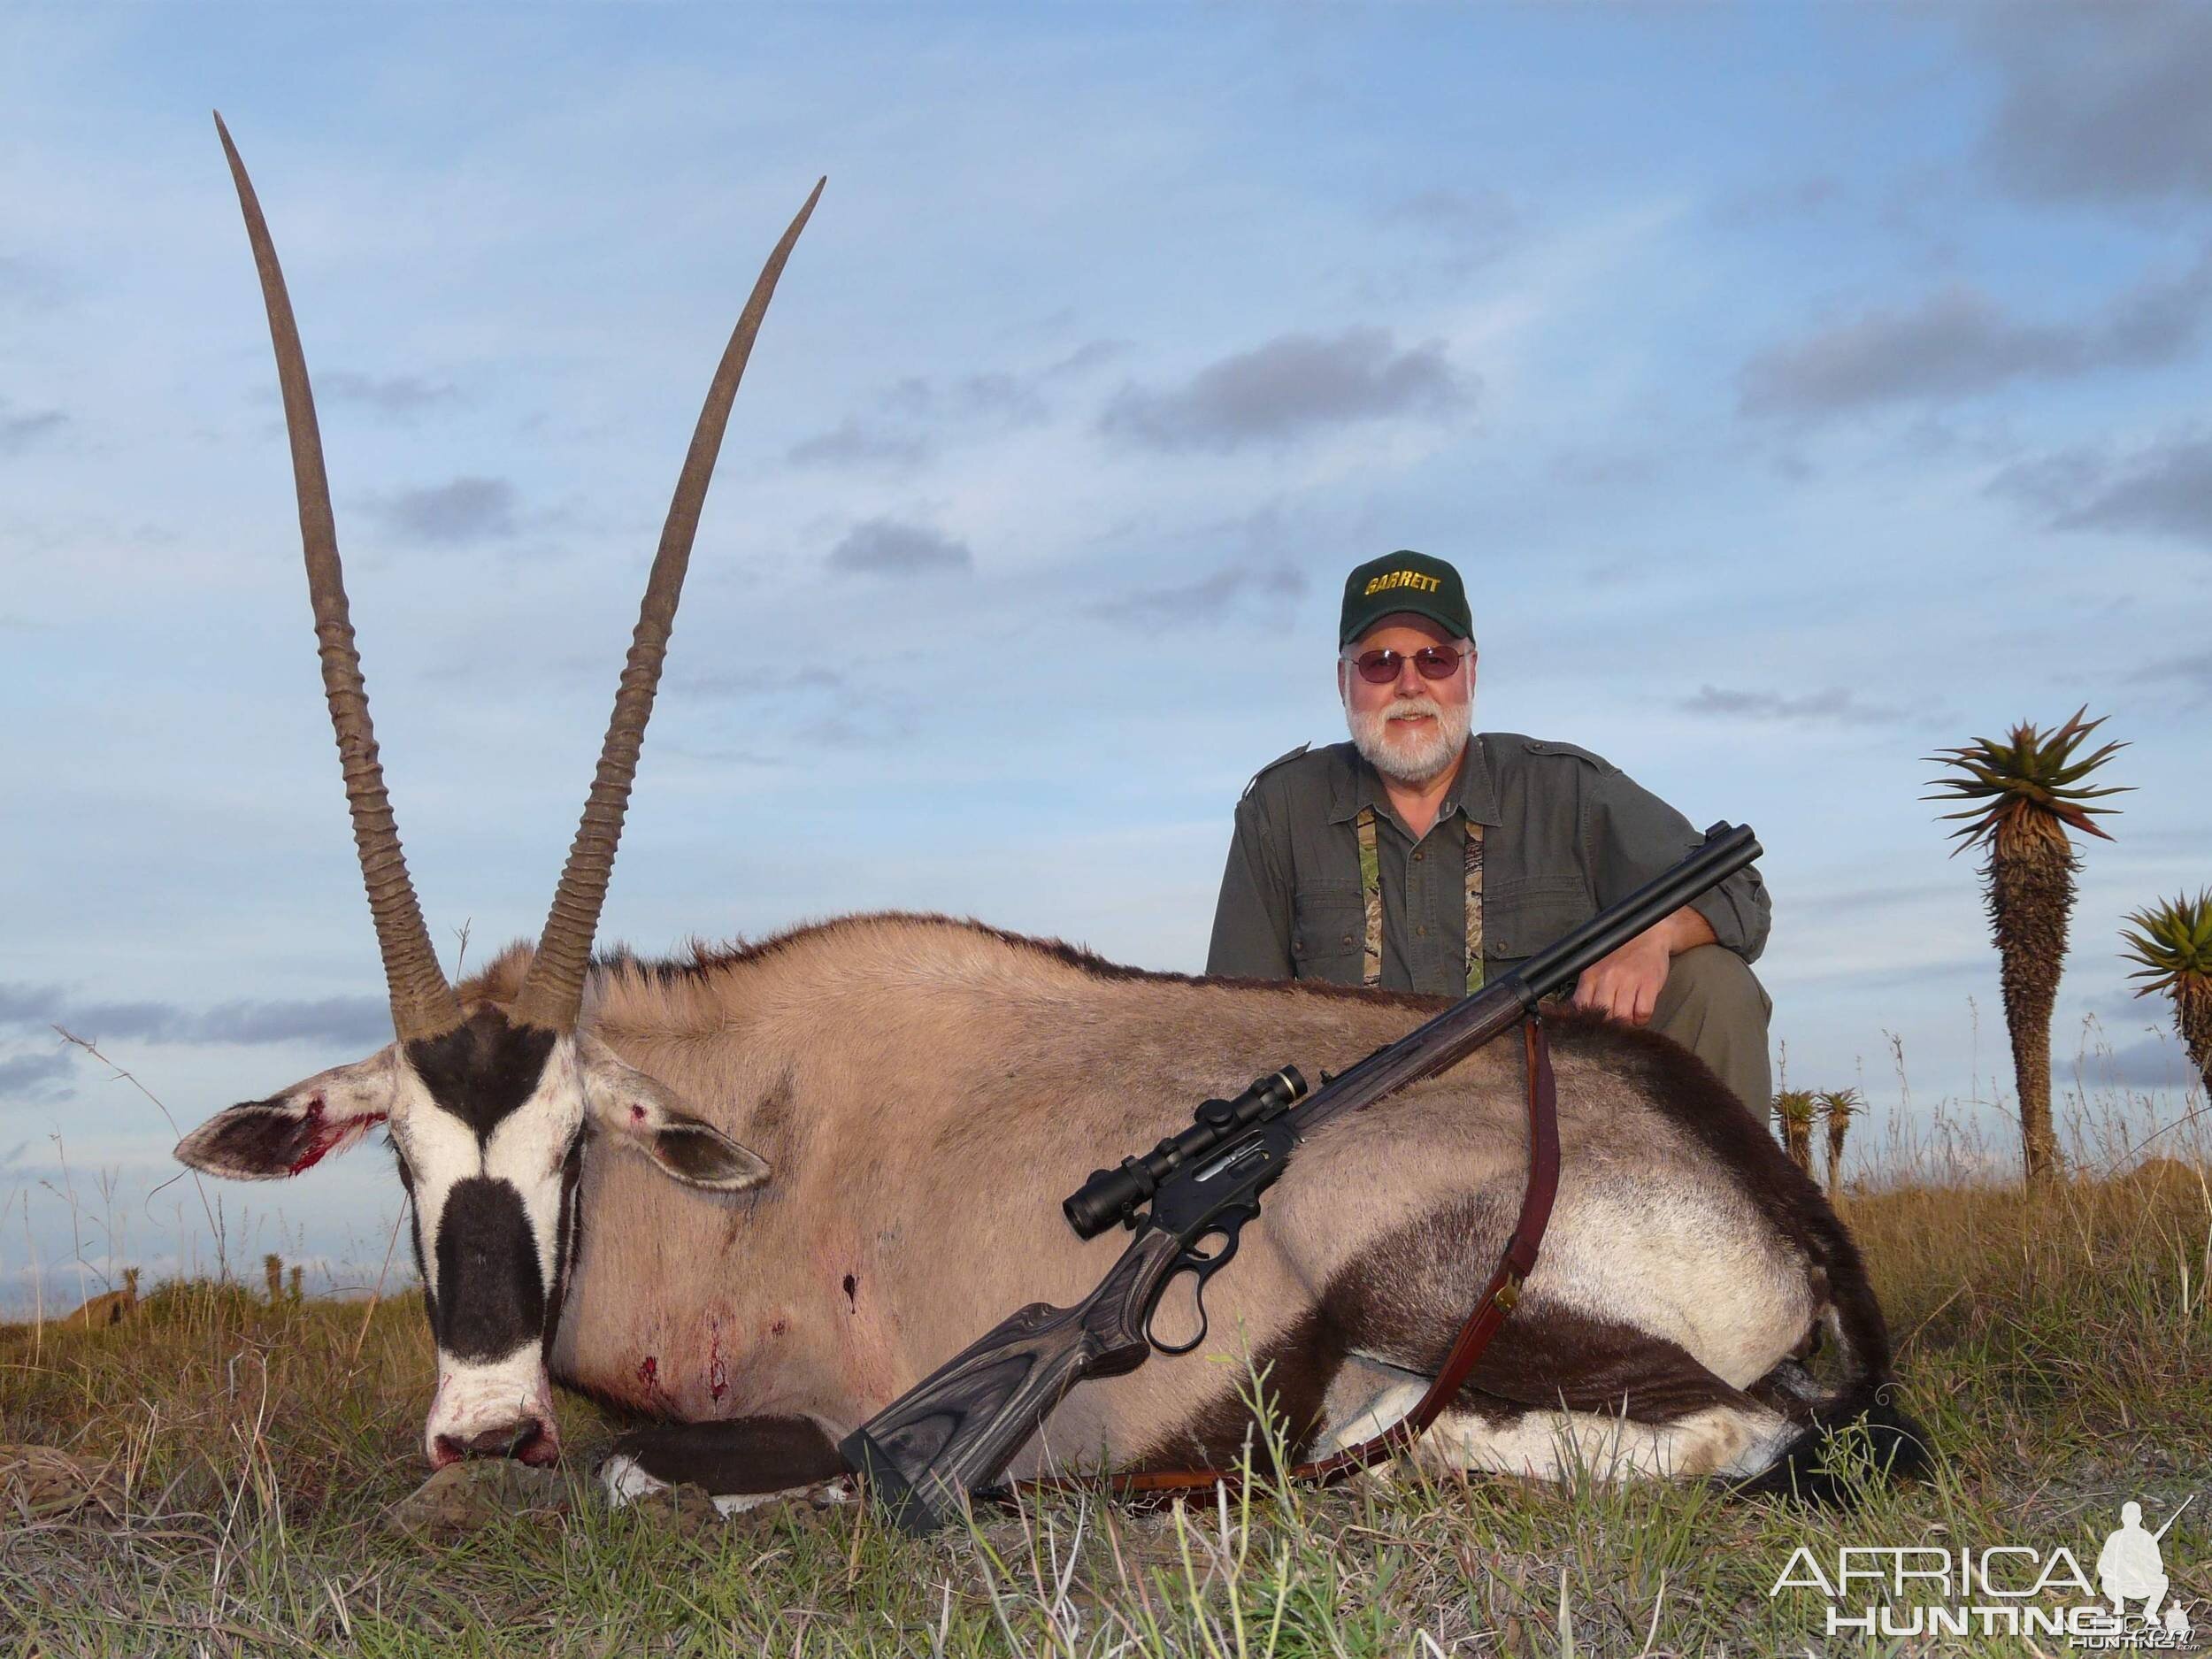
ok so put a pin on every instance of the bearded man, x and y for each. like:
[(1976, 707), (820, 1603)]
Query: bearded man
[(1419, 858)]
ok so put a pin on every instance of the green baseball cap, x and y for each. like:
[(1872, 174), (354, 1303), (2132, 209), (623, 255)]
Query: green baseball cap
[(1404, 581)]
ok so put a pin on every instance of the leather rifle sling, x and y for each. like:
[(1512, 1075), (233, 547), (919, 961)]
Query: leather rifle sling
[(1498, 1299)]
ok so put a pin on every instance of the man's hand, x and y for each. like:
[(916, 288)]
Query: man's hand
[(1626, 984)]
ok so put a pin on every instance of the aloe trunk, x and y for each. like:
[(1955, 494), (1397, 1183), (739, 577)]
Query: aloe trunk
[(2031, 895), (1793, 1110), (1838, 1108), (2193, 1014)]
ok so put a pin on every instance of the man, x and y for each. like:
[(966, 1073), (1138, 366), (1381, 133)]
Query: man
[(1418, 858)]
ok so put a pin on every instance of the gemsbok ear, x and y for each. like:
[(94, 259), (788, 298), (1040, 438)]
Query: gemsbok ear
[(628, 1106), (264, 1139)]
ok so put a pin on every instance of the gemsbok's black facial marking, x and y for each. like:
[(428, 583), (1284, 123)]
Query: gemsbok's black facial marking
[(414, 1236), (483, 1069), (488, 1262), (567, 1238)]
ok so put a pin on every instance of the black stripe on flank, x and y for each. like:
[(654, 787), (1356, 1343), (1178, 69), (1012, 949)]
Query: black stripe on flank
[(491, 1295), (1681, 1088), (1290, 1374), (1403, 1297), (483, 1069)]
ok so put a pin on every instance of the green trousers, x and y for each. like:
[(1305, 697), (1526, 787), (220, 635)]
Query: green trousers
[(1714, 1006)]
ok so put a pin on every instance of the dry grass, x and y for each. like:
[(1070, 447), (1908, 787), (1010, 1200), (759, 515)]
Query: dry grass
[(2061, 1351)]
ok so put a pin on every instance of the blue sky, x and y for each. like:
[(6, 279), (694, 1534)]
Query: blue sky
[(1800, 389)]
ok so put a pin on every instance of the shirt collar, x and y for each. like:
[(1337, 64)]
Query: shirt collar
[(1358, 785)]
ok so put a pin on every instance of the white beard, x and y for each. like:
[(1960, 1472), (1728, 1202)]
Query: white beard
[(1407, 756)]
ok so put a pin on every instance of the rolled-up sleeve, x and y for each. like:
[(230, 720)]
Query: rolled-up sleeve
[(1634, 835), (1252, 918)]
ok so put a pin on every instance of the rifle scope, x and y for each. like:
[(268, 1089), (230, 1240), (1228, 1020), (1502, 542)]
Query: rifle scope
[(1112, 1196)]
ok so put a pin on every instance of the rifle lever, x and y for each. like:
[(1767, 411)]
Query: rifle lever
[(1200, 1265)]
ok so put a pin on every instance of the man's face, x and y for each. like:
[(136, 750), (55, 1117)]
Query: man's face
[(1409, 729)]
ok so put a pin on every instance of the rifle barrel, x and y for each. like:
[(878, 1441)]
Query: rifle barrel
[(2176, 1516), (1725, 851), (1467, 1025)]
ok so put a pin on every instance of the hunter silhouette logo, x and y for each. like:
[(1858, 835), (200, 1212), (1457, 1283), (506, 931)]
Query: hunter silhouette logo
[(2004, 1590), (2130, 1567)]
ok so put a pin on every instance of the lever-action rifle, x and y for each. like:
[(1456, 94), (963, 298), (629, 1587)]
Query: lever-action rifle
[(956, 1429)]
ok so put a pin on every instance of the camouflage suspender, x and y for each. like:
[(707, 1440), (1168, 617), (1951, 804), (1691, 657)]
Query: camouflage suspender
[(1371, 897), (1474, 903), (1371, 893)]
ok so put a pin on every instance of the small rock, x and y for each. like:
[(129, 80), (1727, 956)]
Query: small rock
[(465, 1496), (40, 1483)]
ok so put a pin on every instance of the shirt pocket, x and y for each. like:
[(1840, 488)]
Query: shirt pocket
[(1520, 918), (1328, 929)]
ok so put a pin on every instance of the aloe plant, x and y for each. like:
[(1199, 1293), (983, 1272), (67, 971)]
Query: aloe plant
[(1793, 1110), (2023, 797), (1838, 1108), (2172, 944)]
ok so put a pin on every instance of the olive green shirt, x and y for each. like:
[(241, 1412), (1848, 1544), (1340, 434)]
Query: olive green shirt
[(1565, 834)]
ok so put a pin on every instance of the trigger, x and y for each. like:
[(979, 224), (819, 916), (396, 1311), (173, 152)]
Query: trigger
[(1229, 1228)]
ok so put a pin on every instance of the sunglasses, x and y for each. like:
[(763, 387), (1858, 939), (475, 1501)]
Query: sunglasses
[(1435, 662)]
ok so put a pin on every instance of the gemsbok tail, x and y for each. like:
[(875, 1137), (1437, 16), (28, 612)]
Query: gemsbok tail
[(1857, 1433)]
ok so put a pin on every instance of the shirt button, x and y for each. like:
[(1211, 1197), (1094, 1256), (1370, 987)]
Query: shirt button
[(1421, 931), (1418, 857)]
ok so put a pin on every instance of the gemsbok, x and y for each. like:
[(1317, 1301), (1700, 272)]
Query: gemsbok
[(757, 1193)]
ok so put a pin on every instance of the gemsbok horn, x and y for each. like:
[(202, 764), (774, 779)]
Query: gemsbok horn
[(485, 1105)]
